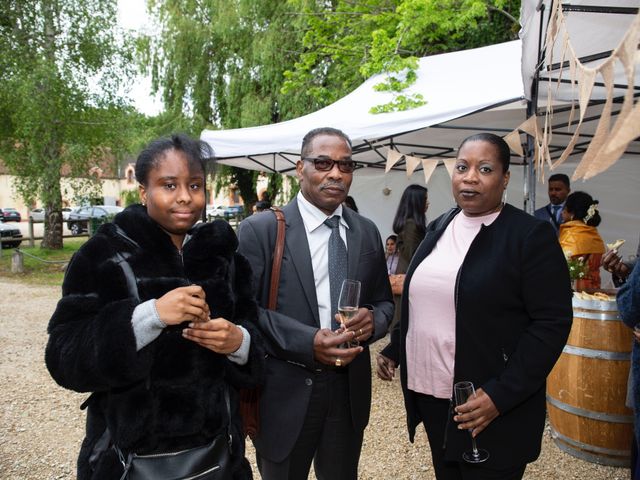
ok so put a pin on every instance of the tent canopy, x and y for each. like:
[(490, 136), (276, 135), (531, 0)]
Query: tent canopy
[(454, 85)]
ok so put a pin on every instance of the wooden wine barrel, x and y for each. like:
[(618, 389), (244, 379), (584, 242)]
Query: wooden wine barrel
[(586, 390)]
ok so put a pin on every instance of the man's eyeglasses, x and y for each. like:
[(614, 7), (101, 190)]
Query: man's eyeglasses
[(324, 164)]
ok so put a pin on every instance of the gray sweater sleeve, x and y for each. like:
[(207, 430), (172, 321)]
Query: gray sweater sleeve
[(147, 326), (146, 323)]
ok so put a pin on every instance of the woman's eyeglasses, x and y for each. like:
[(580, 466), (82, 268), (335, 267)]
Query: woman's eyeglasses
[(324, 164)]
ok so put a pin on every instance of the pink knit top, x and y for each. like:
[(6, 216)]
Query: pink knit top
[(431, 338)]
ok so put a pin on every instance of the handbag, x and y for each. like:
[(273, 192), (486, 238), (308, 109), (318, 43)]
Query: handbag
[(250, 397), (207, 462)]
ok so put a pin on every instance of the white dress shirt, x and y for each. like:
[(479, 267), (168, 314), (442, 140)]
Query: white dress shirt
[(318, 238)]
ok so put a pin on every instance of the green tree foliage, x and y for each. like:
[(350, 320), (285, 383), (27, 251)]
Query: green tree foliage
[(61, 64), (348, 41), (130, 197), (222, 62)]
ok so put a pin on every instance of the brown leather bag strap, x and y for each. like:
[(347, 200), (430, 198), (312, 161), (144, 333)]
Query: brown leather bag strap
[(277, 259)]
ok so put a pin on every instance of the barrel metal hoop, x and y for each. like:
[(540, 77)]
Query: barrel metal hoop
[(612, 316), (611, 462), (593, 304), (603, 417), (599, 354), (591, 448)]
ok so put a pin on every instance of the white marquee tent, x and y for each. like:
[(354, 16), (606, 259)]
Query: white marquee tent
[(484, 89)]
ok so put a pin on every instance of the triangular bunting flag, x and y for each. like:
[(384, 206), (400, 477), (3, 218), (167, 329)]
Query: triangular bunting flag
[(529, 126), (586, 77), (513, 140), (412, 163), (449, 163), (393, 157), (617, 142), (593, 155), (428, 166)]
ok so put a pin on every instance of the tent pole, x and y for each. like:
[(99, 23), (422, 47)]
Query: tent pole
[(532, 109), (529, 169)]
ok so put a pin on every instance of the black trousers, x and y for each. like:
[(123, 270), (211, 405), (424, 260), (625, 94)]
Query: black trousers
[(434, 413), (327, 437)]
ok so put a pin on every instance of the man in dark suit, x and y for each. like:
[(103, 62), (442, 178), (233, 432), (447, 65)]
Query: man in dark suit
[(559, 189), (316, 398)]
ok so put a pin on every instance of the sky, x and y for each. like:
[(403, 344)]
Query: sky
[(132, 15)]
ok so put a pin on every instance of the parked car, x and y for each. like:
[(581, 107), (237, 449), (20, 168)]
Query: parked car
[(11, 236), (9, 215), (66, 211), (224, 211), (78, 221), (233, 211), (37, 214), (213, 211)]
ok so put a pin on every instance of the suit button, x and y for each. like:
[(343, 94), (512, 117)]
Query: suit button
[(308, 381)]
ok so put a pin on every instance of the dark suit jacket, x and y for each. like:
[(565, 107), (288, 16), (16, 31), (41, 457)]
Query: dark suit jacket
[(289, 331), (546, 214), (513, 316)]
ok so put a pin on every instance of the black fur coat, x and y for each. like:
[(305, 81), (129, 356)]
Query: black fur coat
[(170, 394)]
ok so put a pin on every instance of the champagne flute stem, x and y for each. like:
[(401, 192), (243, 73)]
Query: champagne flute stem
[(474, 446)]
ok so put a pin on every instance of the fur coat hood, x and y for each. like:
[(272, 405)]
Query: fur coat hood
[(168, 395)]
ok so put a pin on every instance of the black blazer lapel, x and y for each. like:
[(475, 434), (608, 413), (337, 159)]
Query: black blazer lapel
[(297, 248)]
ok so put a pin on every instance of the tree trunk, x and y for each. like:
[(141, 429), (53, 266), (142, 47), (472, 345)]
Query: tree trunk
[(52, 237), (245, 180), (51, 195), (274, 186)]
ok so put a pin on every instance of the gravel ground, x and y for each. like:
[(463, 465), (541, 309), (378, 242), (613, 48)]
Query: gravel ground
[(41, 425)]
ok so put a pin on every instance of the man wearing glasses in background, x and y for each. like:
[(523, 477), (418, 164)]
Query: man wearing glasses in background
[(316, 398)]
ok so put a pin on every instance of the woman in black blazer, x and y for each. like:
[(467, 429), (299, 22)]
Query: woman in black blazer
[(487, 299)]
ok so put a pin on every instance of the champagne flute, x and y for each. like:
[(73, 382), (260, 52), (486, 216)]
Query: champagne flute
[(348, 304), (464, 391)]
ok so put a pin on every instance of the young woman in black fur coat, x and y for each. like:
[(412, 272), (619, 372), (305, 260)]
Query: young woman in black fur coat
[(158, 360)]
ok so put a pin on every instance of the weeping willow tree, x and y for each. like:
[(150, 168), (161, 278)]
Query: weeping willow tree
[(222, 62)]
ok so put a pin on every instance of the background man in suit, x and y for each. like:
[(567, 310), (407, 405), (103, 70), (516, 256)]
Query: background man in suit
[(315, 402), (559, 188)]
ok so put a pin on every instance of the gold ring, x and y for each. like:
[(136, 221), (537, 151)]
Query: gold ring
[(360, 333), (338, 362)]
